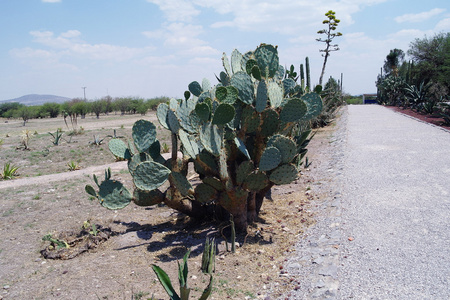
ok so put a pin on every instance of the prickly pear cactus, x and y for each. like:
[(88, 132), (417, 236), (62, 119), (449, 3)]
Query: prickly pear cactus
[(242, 136)]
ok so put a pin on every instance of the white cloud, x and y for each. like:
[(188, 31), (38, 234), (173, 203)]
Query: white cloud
[(420, 17), (443, 25), (177, 10), (51, 1)]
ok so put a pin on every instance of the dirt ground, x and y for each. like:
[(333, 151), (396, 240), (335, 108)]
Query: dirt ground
[(49, 199), (421, 116)]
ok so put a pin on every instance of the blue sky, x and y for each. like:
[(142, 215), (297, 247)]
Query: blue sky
[(150, 48)]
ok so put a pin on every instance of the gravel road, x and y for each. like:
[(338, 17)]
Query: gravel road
[(383, 230)]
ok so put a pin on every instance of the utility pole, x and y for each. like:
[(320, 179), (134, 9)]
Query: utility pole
[(84, 89)]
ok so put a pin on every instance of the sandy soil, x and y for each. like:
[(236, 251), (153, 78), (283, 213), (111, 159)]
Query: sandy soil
[(34, 206)]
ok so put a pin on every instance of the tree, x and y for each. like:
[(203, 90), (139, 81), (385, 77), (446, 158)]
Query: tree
[(98, 106), (51, 109), (330, 35), (393, 61), (431, 57)]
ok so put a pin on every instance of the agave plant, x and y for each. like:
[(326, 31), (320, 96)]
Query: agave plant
[(9, 171)]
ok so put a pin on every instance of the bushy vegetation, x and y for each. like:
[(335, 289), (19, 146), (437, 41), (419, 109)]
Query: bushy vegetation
[(77, 107), (423, 83)]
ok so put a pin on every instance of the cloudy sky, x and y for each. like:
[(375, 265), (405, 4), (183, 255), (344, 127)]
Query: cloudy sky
[(150, 48)]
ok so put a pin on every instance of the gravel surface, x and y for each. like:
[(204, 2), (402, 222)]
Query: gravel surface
[(383, 230)]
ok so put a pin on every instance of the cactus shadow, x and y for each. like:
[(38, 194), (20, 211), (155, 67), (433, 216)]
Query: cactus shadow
[(169, 240)]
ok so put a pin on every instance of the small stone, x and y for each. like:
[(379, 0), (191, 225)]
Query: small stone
[(193, 277), (5, 287)]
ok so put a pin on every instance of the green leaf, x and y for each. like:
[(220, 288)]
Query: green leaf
[(165, 282), (207, 292), (90, 190)]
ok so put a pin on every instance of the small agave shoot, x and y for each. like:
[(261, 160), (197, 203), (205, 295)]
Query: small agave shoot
[(242, 136)]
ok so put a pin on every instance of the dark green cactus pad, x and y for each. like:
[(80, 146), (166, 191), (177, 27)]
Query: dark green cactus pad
[(161, 114), (214, 182), (237, 61), (208, 161), (113, 195), (294, 110), (226, 64), (275, 92), (203, 96), (318, 89), (136, 160), (203, 111), (244, 169), (195, 88), (144, 134), (224, 113), (221, 93), (172, 121), (271, 121), (119, 148), (284, 174), (150, 175), (211, 138), (286, 146), (314, 105), (256, 72), (155, 152), (288, 85), (267, 59), (249, 65), (255, 181), (270, 159), (224, 79), (189, 145), (279, 75), (147, 198), (241, 146), (187, 95), (205, 193), (243, 82), (182, 184), (90, 190), (261, 96)]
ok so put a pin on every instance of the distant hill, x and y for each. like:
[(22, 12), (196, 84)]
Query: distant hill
[(34, 99)]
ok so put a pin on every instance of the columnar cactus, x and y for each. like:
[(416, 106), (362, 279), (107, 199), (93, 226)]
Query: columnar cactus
[(242, 136)]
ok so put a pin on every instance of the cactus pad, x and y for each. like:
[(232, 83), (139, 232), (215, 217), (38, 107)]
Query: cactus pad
[(294, 110), (181, 183), (211, 138), (90, 190), (195, 88), (261, 96), (147, 198), (214, 182), (119, 149), (243, 82), (172, 121), (150, 175), (161, 114), (256, 181), (136, 160), (144, 134), (288, 85), (275, 92), (236, 61), (286, 146), (113, 195), (284, 174), (270, 123), (224, 113), (205, 193), (221, 93), (190, 146), (241, 146), (314, 105), (270, 159), (244, 169), (267, 59), (249, 65), (203, 111), (226, 64)]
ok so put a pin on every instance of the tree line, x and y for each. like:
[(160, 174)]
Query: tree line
[(421, 83), (80, 108)]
